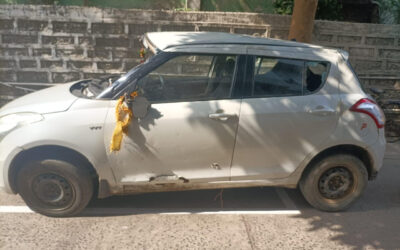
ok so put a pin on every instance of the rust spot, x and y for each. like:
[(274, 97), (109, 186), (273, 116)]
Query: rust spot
[(363, 126)]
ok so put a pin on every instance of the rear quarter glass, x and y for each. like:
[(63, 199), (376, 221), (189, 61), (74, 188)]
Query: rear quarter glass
[(358, 79)]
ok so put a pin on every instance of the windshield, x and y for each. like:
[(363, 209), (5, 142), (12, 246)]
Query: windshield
[(146, 57)]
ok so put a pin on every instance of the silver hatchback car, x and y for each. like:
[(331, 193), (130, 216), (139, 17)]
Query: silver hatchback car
[(209, 110)]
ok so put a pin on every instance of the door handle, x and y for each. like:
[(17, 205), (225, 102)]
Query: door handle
[(322, 111), (220, 116)]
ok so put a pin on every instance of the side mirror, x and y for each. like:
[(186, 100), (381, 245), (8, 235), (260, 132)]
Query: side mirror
[(140, 106)]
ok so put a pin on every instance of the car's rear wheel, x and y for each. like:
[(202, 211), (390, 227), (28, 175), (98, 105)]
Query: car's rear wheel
[(55, 188), (335, 182)]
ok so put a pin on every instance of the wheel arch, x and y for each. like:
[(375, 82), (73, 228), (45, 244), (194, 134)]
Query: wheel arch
[(357, 151), (54, 152)]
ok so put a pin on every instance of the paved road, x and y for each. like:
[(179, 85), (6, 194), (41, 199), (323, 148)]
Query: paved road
[(251, 218)]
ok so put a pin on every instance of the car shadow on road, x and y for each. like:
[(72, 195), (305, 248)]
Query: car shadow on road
[(372, 222), (198, 201)]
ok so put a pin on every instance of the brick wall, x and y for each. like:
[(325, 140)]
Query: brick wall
[(42, 45)]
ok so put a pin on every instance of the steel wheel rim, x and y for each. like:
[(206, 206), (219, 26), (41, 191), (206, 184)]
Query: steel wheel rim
[(336, 183), (53, 190)]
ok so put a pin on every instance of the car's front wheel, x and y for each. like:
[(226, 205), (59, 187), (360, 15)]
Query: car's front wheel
[(54, 187), (334, 182)]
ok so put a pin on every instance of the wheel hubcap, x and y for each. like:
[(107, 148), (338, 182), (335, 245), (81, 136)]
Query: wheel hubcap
[(53, 190), (335, 183)]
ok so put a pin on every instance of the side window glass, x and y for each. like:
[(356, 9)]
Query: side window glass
[(316, 74), (277, 77), (190, 78)]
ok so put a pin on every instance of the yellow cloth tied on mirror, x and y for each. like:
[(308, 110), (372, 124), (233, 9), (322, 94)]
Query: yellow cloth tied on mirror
[(123, 115)]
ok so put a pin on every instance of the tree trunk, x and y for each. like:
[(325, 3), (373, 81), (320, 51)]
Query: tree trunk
[(302, 24)]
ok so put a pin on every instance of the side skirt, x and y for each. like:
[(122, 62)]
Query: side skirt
[(166, 187)]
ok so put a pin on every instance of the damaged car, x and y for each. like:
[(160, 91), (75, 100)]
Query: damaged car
[(205, 111)]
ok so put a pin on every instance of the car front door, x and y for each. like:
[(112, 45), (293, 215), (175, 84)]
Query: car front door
[(287, 112), (189, 131)]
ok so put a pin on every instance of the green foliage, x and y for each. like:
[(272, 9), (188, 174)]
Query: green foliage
[(389, 11), (126, 4), (264, 6), (139, 4), (283, 7), (326, 10), (329, 10), (28, 1)]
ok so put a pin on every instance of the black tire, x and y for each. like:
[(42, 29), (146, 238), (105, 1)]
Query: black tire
[(334, 183), (55, 188)]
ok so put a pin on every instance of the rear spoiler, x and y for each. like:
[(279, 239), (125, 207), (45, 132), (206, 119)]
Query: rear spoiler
[(344, 54), (149, 45)]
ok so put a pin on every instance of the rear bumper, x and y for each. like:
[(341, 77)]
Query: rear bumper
[(377, 152), (373, 176)]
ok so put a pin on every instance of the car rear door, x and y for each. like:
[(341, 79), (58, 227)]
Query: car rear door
[(289, 109)]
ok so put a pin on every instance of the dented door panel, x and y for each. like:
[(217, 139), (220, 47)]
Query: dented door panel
[(176, 143)]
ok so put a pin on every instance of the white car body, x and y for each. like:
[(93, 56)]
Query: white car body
[(268, 142)]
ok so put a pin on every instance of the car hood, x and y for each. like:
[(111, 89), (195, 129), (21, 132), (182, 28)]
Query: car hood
[(49, 100)]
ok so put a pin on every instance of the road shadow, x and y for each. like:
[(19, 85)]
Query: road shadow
[(372, 222), (235, 199)]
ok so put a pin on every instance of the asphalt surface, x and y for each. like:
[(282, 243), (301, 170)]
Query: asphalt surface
[(249, 218)]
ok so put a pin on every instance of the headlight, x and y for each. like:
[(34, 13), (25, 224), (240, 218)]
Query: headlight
[(13, 121)]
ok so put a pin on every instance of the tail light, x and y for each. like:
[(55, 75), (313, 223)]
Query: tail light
[(370, 108)]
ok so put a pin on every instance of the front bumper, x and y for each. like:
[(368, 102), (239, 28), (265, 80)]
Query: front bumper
[(7, 154), (3, 186)]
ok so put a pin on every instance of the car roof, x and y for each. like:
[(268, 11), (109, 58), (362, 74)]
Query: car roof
[(164, 40)]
